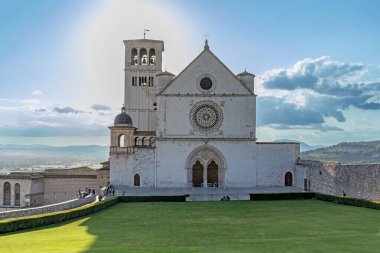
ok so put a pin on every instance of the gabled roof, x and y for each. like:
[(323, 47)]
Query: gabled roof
[(206, 49)]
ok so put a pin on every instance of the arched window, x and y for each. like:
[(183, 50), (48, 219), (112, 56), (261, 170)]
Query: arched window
[(288, 179), (143, 56), (17, 194), (151, 142), (143, 141), (136, 141), (122, 141), (7, 194), (152, 56), (134, 57), (136, 180)]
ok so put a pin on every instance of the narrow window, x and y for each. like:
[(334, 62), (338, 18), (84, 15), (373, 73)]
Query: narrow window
[(143, 81), (136, 180), (140, 81), (17, 194), (133, 81), (7, 194)]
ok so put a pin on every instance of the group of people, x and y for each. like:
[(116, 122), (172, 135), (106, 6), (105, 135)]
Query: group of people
[(110, 190), (85, 193)]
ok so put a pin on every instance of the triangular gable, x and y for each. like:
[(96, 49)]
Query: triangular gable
[(226, 83)]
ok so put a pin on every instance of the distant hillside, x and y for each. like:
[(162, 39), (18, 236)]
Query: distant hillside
[(40, 157), (303, 146), (347, 153)]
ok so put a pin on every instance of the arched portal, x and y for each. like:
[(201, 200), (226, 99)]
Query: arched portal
[(288, 179), (197, 174), (212, 174), (213, 167)]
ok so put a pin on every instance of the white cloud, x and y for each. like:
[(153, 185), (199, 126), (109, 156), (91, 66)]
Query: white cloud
[(37, 93), (35, 117)]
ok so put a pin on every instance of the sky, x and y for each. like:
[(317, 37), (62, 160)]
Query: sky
[(317, 63)]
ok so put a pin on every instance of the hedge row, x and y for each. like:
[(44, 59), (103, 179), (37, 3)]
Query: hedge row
[(348, 201), (282, 196), (178, 198), (27, 222)]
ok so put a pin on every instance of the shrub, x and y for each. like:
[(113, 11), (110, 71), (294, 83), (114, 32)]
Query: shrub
[(178, 198), (348, 201), (282, 196), (19, 223)]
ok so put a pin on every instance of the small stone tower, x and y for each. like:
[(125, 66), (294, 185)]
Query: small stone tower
[(122, 135), (143, 61)]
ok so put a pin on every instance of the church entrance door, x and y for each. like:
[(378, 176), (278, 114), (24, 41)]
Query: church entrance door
[(212, 174), (197, 174)]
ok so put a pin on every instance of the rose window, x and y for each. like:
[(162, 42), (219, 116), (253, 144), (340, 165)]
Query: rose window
[(206, 116)]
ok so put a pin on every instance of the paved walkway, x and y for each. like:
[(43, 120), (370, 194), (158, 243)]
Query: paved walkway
[(147, 191)]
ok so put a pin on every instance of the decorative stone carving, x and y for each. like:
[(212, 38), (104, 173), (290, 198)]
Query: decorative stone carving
[(206, 116), (205, 155)]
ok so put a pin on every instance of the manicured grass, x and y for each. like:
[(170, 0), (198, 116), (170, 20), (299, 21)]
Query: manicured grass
[(263, 226)]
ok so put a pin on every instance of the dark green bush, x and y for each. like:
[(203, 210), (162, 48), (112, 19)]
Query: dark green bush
[(178, 198), (282, 196), (14, 224), (348, 201)]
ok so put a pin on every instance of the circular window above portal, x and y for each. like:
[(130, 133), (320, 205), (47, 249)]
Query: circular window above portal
[(206, 83), (206, 116)]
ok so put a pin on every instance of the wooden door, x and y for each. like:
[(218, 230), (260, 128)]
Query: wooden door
[(305, 185), (212, 174), (288, 179), (197, 174), (136, 180)]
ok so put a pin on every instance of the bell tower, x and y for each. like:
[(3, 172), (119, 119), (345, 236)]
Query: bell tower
[(143, 61)]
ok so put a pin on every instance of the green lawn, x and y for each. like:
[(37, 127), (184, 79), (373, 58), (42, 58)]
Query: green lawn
[(263, 226)]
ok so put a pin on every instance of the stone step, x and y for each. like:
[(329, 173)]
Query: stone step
[(217, 197)]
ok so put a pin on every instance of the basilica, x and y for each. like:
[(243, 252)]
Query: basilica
[(196, 129)]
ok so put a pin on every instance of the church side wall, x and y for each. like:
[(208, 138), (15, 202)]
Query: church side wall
[(123, 168), (274, 160), (358, 181)]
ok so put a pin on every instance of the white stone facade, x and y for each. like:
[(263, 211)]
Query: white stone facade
[(201, 127)]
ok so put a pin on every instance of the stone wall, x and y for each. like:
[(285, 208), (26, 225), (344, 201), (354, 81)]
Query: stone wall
[(49, 208), (60, 188), (124, 167), (274, 160), (358, 181), (25, 185)]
